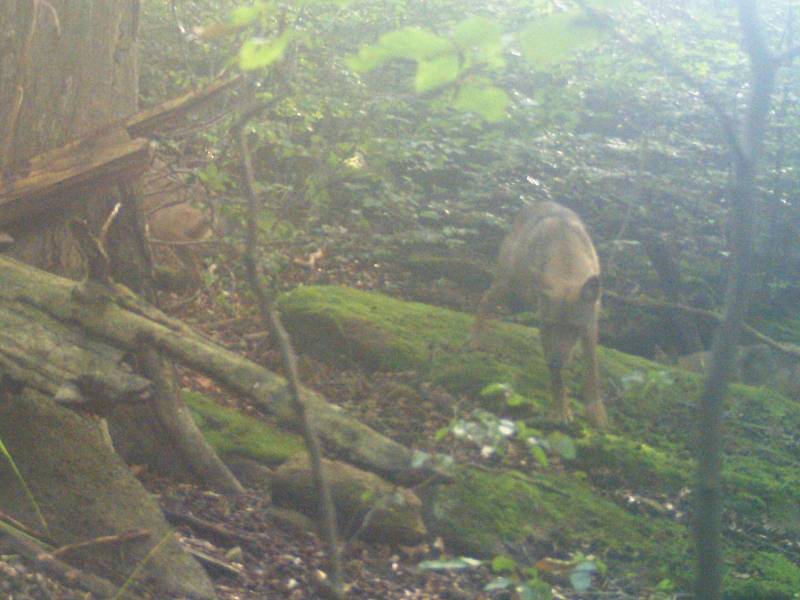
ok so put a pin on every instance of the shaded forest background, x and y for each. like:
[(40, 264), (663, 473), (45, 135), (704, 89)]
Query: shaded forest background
[(392, 145), (382, 174)]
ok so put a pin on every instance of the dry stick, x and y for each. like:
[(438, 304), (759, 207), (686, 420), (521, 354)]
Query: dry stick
[(104, 540), (273, 321), (207, 528), (55, 568)]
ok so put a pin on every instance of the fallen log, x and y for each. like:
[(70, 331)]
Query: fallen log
[(119, 318)]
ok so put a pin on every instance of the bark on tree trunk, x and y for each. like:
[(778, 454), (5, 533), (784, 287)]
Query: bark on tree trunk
[(66, 69), (93, 72)]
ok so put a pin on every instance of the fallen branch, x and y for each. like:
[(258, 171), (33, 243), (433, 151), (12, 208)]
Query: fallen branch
[(105, 540), (205, 528), (121, 320), (57, 569), (787, 349)]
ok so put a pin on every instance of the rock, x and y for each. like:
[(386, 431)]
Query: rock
[(394, 513)]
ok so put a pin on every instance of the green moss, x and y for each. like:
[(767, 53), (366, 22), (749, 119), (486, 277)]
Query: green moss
[(370, 329), (642, 465), (231, 433), (765, 576), (349, 326), (484, 514)]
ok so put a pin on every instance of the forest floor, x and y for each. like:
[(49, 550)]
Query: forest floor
[(276, 559), (257, 554)]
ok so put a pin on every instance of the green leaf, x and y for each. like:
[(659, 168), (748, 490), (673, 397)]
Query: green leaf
[(539, 455), (257, 53), (453, 564), (581, 576), (482, 99), (517, 400), (478, 32), (503, 564), (414, 43), (367, 59), (435, 73), (410, 43), (562, 444), (493, 390), (555, 38), (441, 433), (665, 585), (244, 15)]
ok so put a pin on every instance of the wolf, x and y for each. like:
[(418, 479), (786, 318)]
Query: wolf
[(549, 260)]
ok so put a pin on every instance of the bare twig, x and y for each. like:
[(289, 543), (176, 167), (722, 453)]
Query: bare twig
[(37, 553), (105, 540), (271, 319), (219, 533), (700, 312), (652, 49), (103, 237)]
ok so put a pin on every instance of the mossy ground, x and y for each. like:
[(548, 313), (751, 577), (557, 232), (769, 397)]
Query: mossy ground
[(648, 447), (487, 513)]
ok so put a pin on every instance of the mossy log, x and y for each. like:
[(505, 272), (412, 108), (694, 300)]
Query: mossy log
[(366, 505), (127, 323)]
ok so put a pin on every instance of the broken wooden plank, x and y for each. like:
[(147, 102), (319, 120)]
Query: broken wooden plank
[(147, 122)]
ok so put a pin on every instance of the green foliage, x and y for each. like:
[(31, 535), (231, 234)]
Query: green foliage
[(524, 582), (257, 53), (562, 444), (441, 61), (503, 564), (776, 578), (555, 38)]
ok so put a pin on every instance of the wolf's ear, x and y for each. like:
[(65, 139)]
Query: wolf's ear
[(590, 292)]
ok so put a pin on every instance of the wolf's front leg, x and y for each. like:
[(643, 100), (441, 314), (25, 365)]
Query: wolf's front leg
[(561, 407), (592, 397)]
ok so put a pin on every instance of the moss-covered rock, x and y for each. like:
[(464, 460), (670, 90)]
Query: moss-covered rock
[(649, 446)]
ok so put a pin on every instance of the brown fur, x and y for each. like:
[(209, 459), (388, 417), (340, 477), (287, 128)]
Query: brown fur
[(179, 223), (548, 260)]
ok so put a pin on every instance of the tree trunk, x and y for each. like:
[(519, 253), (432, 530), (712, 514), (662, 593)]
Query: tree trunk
[(66, 69), (663, 260), (96, 46), (746, 152)]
